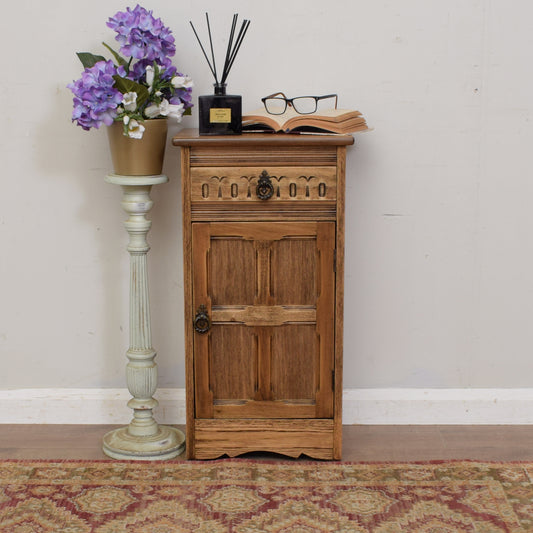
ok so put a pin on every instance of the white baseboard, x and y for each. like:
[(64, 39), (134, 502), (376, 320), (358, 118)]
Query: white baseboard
[(360, 406), (84, 406), (438, 406)]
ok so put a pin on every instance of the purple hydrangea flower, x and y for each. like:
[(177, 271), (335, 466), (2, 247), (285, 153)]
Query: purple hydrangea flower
[(184, 96), (95, 98), (169, 69), (105, 91), (141, 35), (138, 72)]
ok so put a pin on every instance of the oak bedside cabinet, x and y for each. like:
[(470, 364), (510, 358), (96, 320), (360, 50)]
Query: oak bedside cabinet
[(263, 236)]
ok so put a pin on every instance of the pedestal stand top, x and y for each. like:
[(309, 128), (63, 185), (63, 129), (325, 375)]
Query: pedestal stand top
[(117, 179)]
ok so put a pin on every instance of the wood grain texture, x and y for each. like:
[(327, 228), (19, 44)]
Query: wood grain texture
[(233, 363), (339, 297), (288, 437), (264, 211), (215, 157), (360, 443), (326, 320), (263, 409), (201, 343), (259, 315), (187, 289), (190, 137), (268, 374)]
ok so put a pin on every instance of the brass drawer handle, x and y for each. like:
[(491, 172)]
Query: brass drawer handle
[(202, 324), (265, 189)]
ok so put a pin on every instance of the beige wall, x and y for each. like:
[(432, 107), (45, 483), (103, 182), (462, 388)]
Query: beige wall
[(439, 200)]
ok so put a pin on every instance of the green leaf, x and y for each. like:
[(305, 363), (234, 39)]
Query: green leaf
[(119, 59), (188, 111), (88, 60), (128, 86)]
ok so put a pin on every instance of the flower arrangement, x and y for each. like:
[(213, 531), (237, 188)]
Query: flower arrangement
[(143, 84)]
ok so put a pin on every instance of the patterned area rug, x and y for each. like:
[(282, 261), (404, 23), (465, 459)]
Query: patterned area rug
[(245, 496)]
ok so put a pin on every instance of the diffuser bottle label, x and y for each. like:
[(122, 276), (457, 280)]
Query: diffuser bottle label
[(220, 115)]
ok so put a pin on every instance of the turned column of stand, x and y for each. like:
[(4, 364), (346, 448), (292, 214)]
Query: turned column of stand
[(144, 438)]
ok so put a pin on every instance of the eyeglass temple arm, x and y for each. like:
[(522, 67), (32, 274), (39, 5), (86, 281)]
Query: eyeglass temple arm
[(273, 95), (330, 96)]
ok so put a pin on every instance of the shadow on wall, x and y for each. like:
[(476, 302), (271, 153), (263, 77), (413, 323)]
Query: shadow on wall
[(165, 269)]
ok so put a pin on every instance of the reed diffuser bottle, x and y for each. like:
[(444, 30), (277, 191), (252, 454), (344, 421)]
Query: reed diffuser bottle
[(221, 113)]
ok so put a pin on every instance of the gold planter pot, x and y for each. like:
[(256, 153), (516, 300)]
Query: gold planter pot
[(138, 157)]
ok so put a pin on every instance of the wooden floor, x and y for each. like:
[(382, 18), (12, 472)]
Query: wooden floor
[(360, 443)]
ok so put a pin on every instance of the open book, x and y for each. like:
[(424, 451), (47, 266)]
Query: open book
[(331, 120)]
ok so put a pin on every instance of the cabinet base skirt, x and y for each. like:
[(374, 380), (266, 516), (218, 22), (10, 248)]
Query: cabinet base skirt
[(315, 438)]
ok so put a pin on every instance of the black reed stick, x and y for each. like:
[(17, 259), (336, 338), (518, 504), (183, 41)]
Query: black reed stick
[(238, 42), (231, 51), (211, 43), (230, 42), (201, 46)]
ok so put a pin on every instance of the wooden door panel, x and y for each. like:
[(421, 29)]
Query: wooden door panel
[(293, 268), (294, 362), (233, 362), (230, 271), (268, 289)]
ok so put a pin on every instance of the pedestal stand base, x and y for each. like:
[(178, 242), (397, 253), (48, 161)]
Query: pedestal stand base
[(167, 443)]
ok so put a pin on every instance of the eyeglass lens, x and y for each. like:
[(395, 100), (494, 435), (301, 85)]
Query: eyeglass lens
[(276, 106), (304, 104)]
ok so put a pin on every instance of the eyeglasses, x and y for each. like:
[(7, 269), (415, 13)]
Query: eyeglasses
[(276, 104)]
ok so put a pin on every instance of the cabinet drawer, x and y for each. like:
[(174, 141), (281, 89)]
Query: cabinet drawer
[(280, 184)]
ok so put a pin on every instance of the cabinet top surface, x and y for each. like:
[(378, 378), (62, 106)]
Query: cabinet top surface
[(190, 137)]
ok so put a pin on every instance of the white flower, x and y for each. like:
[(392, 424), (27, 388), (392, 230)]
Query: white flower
[(176, 112), (152, 111), (165, 109), (126, 119), (171, 110), (130, 101), (182, 82), (135, 129), (149, 77)]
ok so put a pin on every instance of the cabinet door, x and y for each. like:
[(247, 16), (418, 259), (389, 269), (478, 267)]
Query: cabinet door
[(269, 291)]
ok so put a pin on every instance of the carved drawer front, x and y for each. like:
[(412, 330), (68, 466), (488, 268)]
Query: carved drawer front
[(259, 184)]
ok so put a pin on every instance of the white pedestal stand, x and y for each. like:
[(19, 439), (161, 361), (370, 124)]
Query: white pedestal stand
[(143, 439)]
